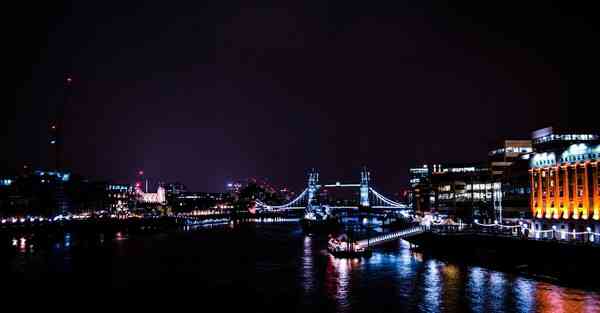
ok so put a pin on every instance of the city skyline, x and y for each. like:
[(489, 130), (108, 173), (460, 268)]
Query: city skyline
[(221, 93), (303, 156)]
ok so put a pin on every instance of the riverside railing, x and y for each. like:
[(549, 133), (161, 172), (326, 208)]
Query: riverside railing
[(521, 230)]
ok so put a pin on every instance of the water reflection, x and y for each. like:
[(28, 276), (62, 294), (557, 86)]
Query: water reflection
[(477, 294), (523, 291), (496, 285), (22, 245), (551, 298), (452, 286), (338, 281), (67, 241), (394, 279), (307, 265), (432, 287), (493, 291), (407, 254)]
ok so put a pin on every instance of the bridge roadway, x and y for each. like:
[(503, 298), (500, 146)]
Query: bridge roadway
[(336, 207), (391, 236)]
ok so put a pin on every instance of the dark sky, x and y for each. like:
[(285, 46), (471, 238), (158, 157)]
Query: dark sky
[(207, 92)]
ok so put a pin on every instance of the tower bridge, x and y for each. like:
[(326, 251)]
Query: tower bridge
[(369, 197)]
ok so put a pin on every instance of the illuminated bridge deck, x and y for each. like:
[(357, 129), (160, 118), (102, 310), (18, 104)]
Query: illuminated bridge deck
[(391, 236)]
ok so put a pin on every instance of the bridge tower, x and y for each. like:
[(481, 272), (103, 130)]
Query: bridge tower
[(313, 180), (365, 176)]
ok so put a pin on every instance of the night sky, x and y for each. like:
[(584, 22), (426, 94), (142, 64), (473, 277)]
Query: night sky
[(205, 93)]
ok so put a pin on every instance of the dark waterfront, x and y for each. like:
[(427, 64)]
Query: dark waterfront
[(262, 267)]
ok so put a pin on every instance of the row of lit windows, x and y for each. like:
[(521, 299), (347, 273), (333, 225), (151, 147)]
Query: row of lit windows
[(571, 178), (566, 137), (552, 189), (574, 158), (560, 193), (465, 196), (119, 187), (420, 170), (511, 150), (470, 187)]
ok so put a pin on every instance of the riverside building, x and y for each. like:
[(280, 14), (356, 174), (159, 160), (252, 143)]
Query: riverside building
[(564, 180)]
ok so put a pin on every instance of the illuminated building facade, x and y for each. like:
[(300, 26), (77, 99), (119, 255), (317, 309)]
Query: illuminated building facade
[(566, 186), (564, 179), (119, 197), (513, 200), (419, 194), (509, 152), (416, 175), (158, 197), (509, 164), (464, 191)]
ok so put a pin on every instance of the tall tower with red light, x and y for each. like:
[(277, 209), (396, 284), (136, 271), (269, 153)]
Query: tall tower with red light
[(57, 124), (57, 145)]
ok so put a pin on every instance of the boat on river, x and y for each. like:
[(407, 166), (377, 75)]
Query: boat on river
[(344, 247)]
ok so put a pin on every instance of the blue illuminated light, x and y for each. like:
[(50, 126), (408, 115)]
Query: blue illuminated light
[(62, 176)]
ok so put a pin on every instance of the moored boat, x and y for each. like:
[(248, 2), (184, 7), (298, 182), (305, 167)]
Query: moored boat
[(342, 247)]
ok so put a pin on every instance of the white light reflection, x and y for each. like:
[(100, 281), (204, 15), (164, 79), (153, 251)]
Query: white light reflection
[(524, 290), (376, 259), (22, 245), (498, 289), (119, 236), (477, 293), (409, 260), (67, 240), (307, 265), (432, 286), (338, 281)]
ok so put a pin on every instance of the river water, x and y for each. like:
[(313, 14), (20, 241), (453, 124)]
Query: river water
[(260, 268)]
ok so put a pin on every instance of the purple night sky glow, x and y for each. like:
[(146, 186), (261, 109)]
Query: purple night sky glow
[(206, 93)]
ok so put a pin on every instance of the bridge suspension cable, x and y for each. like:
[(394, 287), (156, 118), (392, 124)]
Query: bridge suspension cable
[(386, 200), (283, 206)]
